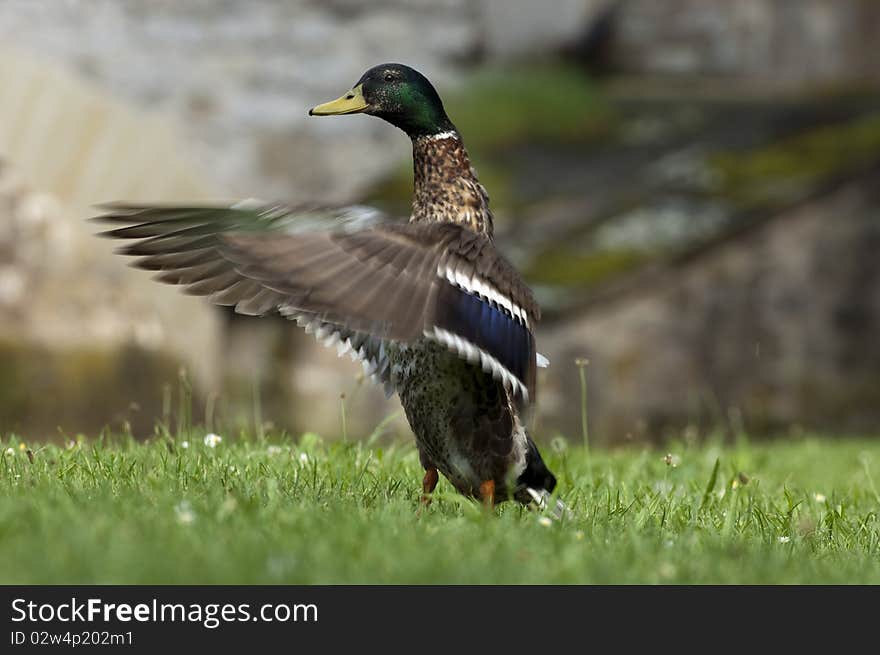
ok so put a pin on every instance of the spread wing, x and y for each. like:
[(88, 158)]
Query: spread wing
[(349, 273)]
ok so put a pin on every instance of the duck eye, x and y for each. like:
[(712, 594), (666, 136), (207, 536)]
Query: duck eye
[(389, 77)]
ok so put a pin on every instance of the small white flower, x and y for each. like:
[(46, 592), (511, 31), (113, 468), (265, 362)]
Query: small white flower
[(303, 458), (784, 539), (545, 521), (185, 513), (671, 460), (819, 498), (184, 444), (10, 451), (211, 440), (579, 535), (233, 470), (274, 450)]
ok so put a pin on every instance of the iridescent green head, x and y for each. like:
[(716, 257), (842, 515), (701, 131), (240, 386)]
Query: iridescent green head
[(396, 93)]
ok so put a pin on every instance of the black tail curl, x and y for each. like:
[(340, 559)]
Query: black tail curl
[(536, 474)]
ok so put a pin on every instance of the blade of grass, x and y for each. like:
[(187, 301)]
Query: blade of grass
[(710, 487)]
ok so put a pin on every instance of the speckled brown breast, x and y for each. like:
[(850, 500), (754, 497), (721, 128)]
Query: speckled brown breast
[(463, 420), (445, 185)]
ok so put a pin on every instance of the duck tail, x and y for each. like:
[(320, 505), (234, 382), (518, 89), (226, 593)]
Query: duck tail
[(537, 483)]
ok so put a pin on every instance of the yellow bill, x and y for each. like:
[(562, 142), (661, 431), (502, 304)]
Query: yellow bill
[(351, 103)]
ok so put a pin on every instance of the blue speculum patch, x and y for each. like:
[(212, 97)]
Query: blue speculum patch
[(491, 329)]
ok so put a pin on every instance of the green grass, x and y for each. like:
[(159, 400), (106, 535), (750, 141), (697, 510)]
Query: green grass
[(310, 511)]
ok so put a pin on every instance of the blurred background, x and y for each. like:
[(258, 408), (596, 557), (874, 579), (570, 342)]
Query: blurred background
[(692, 187)]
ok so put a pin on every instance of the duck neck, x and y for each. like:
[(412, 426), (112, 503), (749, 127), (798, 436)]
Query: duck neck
[(446, 188)]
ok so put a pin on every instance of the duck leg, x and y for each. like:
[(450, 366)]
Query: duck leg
[(429, 483), (487, 493)]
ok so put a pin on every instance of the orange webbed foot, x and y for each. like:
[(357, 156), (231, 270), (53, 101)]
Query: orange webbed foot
[(429, 483), (487, 493)]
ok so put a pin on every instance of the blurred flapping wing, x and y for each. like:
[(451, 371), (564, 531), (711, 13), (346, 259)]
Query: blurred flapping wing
[(348, 274)]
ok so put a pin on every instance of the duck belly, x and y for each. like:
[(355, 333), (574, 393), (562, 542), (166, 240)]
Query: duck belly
[(463, 419)]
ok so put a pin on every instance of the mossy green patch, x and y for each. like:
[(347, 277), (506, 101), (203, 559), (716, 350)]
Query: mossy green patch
[(543, 102), (558, 266), (776, 171), (43, 390)]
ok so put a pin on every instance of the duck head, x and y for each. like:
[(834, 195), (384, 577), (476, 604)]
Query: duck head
[(396, 93)]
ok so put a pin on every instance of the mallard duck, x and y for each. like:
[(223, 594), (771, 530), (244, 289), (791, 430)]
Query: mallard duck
[(429, 306)]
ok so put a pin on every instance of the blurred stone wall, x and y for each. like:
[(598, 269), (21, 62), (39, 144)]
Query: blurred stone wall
[(238, 78), (83, 343), (162, 100), (772, 329), (771, 41)]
